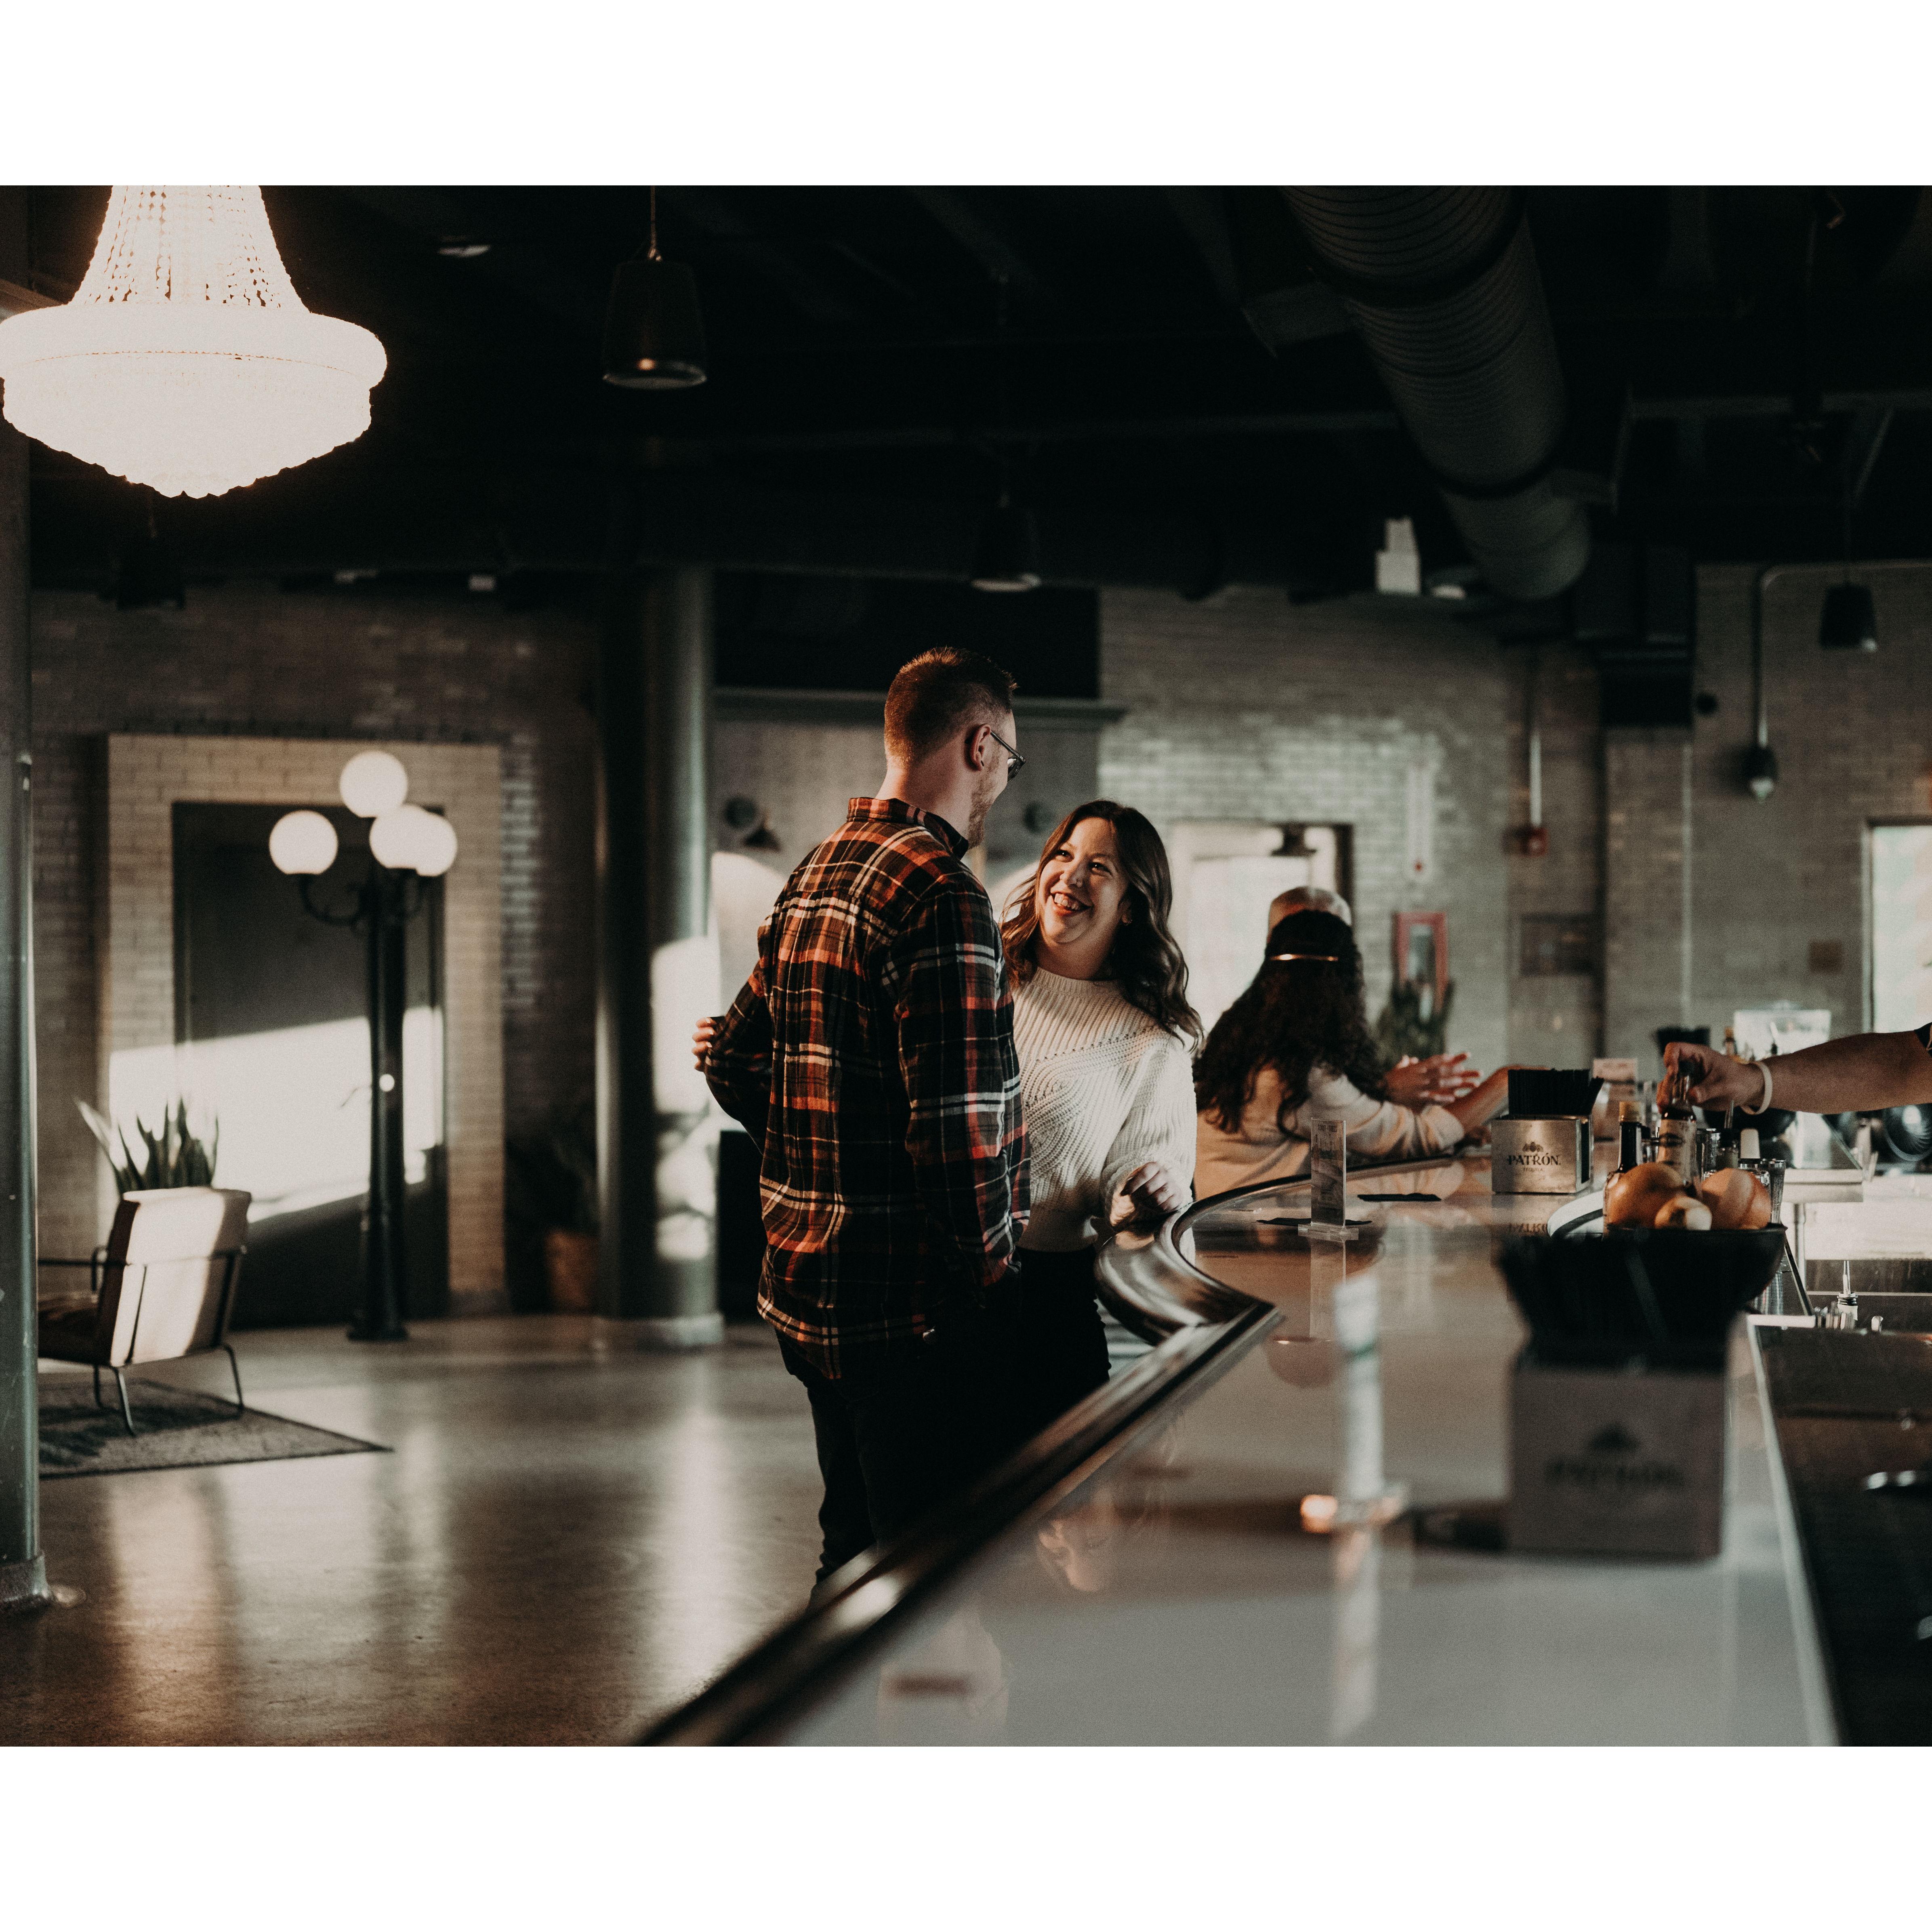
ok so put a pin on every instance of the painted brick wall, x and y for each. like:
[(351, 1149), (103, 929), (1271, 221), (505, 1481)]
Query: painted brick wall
[(1243, 707), (1850, 731), (247, 659), (1247, 707), (1650, 870)]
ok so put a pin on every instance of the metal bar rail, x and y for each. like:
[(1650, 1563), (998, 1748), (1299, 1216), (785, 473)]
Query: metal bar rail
[(1201, 1327)]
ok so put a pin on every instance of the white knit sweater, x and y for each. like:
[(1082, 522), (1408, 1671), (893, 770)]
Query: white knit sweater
[(1102, 1088)]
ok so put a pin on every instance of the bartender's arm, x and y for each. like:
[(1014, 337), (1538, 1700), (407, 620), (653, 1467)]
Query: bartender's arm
[(1866, 1070)]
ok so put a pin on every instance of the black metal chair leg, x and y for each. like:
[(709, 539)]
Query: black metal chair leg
[(97, 1402), (127, 1414), (234, 1370)]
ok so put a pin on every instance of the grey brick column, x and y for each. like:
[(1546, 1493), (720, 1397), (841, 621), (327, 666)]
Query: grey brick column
[(657, 1159)]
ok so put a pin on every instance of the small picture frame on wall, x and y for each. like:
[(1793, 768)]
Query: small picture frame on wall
[(1422, 951)]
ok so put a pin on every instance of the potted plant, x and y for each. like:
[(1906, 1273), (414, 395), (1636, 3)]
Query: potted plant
[(1406, 1028), (173, 1158)]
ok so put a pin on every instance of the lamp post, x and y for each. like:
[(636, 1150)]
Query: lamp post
[(406, 845)]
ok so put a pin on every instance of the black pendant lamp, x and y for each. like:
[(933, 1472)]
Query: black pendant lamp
[(148, 573), (653, 328), (1850, 620), (1008, 555)]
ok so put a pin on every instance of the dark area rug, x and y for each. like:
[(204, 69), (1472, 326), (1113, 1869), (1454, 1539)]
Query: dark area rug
[(180, 1429)]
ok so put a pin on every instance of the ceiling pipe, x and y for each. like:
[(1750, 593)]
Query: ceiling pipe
[(1442, 286)]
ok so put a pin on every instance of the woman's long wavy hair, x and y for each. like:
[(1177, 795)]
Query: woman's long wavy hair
[(1143, 961), (1294, 1015)]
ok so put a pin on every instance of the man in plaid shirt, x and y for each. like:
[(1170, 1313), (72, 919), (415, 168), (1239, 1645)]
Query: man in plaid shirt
[(871, 1053)]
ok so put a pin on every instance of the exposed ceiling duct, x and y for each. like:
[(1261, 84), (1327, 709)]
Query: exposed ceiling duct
[(1442, 286)]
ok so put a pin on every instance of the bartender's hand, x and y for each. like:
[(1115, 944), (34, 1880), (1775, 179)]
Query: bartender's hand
[(1440, 1081), (1153, 1191), (1717, 1080), (701, 1044)]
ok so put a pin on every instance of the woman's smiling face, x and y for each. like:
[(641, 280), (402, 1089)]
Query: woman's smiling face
[(1080, 896)]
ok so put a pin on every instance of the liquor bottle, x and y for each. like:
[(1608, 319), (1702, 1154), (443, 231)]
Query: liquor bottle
[(1630, 1134), (1676, 1135)]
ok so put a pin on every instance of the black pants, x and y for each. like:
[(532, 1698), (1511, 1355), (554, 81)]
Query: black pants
[(899, 1436), (1063, 1348)]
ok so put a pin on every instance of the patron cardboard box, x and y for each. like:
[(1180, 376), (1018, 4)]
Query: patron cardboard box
[(1617, 1403), (1607, 1462), (1540, 1156)]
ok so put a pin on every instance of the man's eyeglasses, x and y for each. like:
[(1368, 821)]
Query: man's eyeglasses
[(1016, 764)]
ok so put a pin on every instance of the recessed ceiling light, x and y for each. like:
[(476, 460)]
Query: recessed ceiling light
[(459, 248)]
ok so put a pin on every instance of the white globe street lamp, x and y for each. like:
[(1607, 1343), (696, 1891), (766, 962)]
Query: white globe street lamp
[(303, 842), (374, 782), (409, 839), (407, 845)]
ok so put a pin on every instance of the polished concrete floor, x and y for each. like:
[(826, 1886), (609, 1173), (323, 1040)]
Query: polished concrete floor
[(562, 1546)]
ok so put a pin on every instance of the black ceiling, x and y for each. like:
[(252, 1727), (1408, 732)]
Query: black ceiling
[(1739, 362)]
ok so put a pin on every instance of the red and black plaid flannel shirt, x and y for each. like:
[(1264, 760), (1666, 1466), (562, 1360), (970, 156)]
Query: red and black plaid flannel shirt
[(871, 1051)]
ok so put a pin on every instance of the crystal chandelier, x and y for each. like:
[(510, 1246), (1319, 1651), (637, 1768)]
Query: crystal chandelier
[(186, 360)]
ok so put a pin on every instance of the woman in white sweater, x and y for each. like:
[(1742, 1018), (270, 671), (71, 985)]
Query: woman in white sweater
[(1295, 1048), (1106, 1038)]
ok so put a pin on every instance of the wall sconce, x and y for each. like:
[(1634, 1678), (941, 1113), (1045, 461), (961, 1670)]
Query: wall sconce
[(1850, 620), (740, 812)]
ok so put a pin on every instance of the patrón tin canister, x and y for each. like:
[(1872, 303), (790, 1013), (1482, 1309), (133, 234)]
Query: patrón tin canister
[(1546, 1157)]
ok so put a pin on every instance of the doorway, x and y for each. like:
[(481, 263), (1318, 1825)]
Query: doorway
[(1226, 873), (272, 1042), (1900, 884)]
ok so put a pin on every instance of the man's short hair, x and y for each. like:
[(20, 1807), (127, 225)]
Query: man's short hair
[(939, 693)]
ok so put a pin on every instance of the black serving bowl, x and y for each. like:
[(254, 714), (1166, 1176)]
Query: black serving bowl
[(1664, 1292)]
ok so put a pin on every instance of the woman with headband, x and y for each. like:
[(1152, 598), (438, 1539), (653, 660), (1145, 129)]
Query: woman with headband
[(1295, 1048)]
